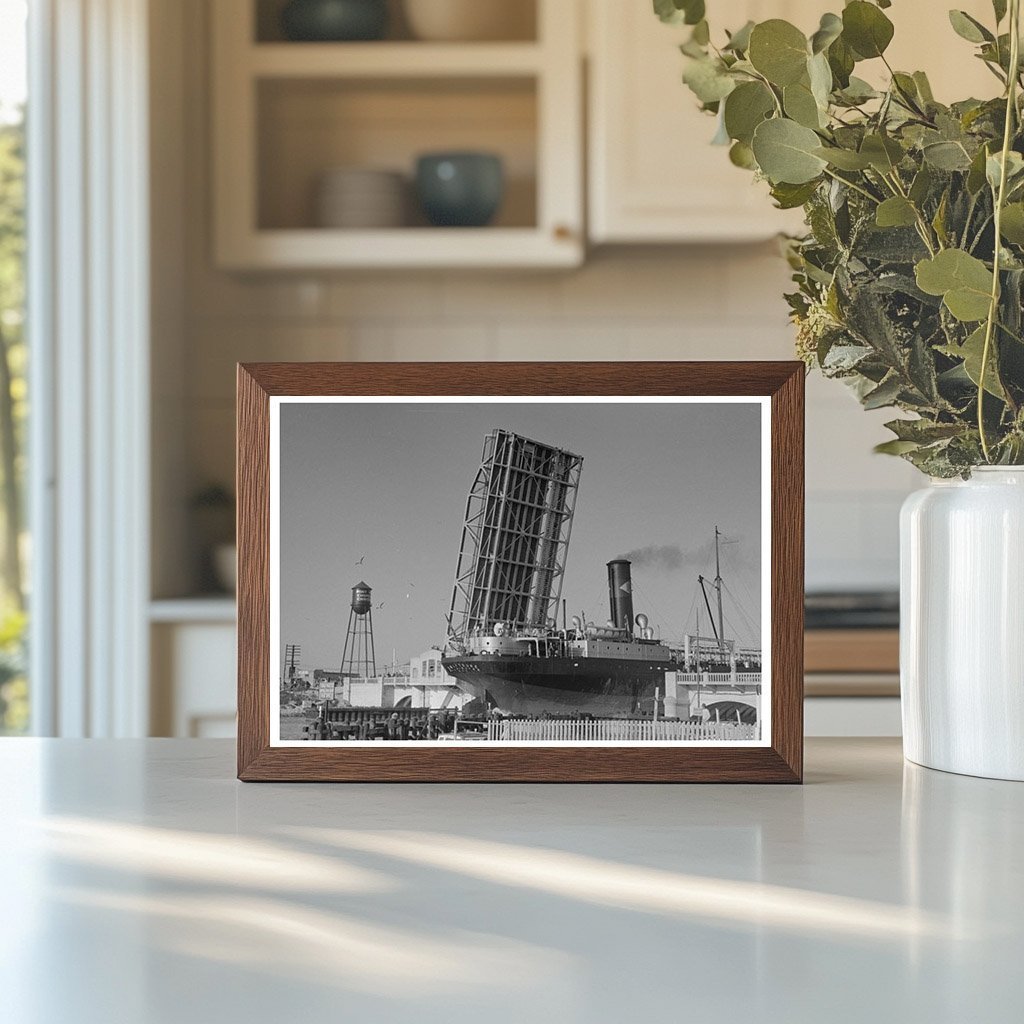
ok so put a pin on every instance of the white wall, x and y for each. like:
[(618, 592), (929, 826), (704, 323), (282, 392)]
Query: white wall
[(656, 303)]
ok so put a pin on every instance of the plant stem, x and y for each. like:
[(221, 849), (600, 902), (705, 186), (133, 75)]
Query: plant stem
[(923, 229), (993, 309), (856, 188)]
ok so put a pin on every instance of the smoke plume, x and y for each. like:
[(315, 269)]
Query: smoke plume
[(657, 556), (736, 556)]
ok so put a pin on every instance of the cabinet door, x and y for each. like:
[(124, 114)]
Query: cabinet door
[(653, 174)]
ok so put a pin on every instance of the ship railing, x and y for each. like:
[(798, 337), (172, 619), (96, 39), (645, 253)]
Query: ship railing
[(542, 730)]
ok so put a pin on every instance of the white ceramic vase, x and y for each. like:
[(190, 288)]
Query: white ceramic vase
[(962, 624)]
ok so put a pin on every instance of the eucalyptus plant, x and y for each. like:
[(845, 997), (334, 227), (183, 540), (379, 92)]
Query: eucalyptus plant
[(910, 278)]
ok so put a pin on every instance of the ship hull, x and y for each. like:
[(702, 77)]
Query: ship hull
[(603, 687)]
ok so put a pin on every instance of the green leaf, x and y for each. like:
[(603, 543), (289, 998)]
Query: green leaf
[(947, 156), (841, 60), (739, 41), (883, 153), (676, 12), (745, 108), (844, 159), (789, 197), (742, 155), (939, 220), (858, 91), (820, 76), (708, 80), (921, 185), (694, 49), (923, 431), (896, 447), (969, 28), (885, 394), (896, 212), (829, 30), (800, 105), (976, 173), (971, 352), (1014, 169), (963, 281), (778, 50), (1012, 225), (924, 87), (866, 29), (785, 152), (906, 90), (999, 7)]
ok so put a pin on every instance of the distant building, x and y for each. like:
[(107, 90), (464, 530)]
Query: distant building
[(427, 667), (422, 683)]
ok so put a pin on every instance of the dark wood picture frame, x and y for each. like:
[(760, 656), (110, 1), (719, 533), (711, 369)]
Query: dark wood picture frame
[(782, 761)]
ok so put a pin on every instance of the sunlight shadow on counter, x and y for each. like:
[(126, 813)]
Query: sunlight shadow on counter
[(574, 876)]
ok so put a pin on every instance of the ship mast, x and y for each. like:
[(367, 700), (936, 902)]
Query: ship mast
[(719, 631), (718, 587)]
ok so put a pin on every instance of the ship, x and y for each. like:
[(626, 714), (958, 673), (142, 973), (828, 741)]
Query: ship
[(505, 645)]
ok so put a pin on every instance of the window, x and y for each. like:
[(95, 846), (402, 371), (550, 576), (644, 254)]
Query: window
[(14, 548)]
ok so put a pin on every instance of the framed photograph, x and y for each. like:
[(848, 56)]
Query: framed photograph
[(520, 572)]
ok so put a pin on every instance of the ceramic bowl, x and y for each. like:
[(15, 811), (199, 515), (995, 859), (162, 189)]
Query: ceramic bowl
[(469, 20), (358, 197), (460, 189), (334, 20)]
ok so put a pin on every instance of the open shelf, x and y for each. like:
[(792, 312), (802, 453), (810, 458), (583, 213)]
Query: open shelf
[(406, 248), (306, 128), (519, 17), (286, 114), (393, 60)]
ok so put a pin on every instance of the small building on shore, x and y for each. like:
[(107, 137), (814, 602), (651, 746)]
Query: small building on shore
[(422, 683)]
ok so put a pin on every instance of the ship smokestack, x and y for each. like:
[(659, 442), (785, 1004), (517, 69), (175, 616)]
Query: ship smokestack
[(620, 594)]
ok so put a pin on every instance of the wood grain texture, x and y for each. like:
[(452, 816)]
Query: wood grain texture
[(787, 639), (252, 487), (782, 762)]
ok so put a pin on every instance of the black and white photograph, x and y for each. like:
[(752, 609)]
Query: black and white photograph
[(541, 572)]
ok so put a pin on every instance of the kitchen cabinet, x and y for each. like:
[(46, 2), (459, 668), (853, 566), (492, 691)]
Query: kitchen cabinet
[(286, 113), (653, 175), (192, 653)]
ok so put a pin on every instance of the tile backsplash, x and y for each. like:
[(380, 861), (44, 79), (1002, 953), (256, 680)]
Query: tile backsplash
[(717, 302)]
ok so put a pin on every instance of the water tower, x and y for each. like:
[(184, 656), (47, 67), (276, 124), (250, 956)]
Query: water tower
[(358, 658)]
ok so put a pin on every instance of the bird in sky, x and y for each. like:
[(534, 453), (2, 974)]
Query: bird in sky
[(361, 560), (381, 605)]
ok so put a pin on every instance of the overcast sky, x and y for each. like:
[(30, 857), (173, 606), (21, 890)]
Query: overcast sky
[(387, 483)]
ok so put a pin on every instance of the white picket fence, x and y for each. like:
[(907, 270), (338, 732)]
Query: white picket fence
[(628, 730)]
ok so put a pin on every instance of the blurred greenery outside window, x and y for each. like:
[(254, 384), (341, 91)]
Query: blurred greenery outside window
[(14, 547)]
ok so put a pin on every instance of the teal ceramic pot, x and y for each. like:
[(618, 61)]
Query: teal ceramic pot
[(332, 21), (461, 190)]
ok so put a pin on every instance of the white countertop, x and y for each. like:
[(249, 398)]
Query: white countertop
[(143, 885)]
